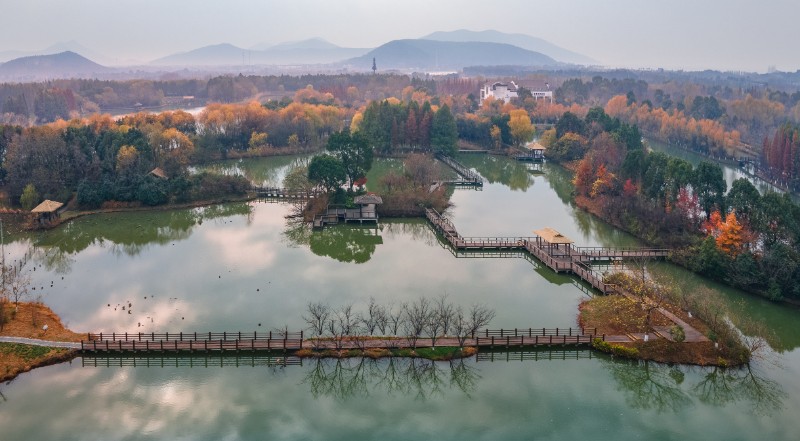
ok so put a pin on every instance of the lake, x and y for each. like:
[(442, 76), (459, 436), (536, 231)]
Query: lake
[(245, 267)]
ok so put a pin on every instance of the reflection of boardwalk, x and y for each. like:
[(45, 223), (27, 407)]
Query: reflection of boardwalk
[(560, 256)]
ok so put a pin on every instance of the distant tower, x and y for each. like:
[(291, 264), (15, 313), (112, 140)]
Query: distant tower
[(374, 66)]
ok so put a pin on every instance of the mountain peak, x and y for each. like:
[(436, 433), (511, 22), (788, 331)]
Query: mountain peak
[(521, 40)]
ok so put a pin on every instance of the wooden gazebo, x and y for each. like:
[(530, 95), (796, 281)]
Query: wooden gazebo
[(367, 205), (46, 212), (553, 242)]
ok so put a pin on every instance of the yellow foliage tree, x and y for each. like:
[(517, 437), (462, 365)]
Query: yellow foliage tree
[(731, 236), (497, 136), (520, 126), (127, 157)]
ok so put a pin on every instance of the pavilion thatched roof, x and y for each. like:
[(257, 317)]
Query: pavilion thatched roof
[(365, 199), (159, 173), (47, 206), (552, 236)]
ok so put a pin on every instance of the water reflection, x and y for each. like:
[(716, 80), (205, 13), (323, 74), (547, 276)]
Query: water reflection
[(343, 379), (132, 233), (344, 243), (722, 386), (267, 172), (660, 387), (513, 174)]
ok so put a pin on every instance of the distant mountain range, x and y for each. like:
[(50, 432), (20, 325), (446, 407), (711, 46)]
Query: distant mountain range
[(519, 40), (63, 65), (438, 51), (447, 55), (313, 51)]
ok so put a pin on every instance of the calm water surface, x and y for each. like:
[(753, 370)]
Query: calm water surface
[(244, 267)]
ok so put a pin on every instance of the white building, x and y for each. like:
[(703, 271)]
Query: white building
[(506, 91)]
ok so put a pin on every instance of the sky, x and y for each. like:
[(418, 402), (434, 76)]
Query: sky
[(747, 35)]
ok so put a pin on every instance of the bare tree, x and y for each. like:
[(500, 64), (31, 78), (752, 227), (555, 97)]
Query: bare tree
[(372, 317), (444, 312), (417, 316), (16, 285), (433, 327), (396, 317), (461, 327), (317, 317), (479, 317)]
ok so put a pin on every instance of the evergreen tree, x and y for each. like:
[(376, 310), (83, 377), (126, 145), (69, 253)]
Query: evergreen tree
[(444, 132)]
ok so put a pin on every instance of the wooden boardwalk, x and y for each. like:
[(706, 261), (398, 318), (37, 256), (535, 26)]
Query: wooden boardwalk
[(190, 342), (561, 258), (235, 342), (466, 175)]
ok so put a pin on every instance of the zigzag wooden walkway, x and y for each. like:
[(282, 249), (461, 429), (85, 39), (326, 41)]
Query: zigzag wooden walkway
[(563, 258)]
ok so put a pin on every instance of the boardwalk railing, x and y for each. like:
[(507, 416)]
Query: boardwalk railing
[(112, 359), (534, 355), (620, 253), (466, 174), (535, 336), (192, 341), (532, 332)]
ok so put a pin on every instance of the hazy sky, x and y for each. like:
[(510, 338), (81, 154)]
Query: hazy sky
[(688, 34)]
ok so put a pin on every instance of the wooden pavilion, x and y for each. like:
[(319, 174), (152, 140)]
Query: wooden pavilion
[(553, 242), (46, 213)]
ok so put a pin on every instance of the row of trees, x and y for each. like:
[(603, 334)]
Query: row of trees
[(780, 156), (675, 127), (422, 318), (38, 103)]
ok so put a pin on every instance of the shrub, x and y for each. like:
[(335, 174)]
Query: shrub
[(618, 350), (677, 333)]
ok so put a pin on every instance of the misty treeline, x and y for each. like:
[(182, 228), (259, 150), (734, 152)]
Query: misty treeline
[(43, 102), (737, 236), (422, 318)]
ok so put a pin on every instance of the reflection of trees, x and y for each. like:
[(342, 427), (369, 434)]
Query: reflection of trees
[(418, 230), (650, 385), (267, 171), (721, 386), (131, 233), (351, 377), (560, 180), (508, 172), (345, 243), (53, 260)]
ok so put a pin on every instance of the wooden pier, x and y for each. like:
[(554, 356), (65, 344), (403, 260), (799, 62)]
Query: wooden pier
[(559, 255)]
